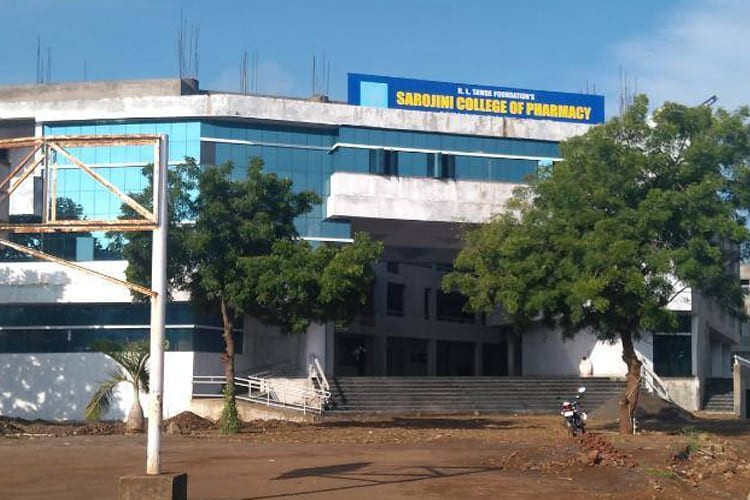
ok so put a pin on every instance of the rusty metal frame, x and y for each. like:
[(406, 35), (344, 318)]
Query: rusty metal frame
[(44, 151), (45, 256), (41, 156)]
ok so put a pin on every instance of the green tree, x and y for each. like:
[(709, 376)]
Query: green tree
[(131, 359), (297, 284), (135, 247), (239, 232), (237, 218), (639, 208)]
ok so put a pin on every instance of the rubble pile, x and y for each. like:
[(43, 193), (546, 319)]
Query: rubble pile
[(599, 451), (701, 460)]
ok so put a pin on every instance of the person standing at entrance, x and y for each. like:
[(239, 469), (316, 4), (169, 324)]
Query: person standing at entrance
[(359, 354), (585, 367)]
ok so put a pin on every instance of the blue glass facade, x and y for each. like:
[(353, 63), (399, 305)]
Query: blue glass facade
[(73, 327), (297, 153), (473, 155), (120, 165), (308, 155)]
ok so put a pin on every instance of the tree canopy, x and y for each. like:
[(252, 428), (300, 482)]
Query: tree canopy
[(638, 209), (296, 284), (233, 245)]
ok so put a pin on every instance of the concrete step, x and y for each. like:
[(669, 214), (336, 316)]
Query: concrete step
[(719, 395), (461, 394)]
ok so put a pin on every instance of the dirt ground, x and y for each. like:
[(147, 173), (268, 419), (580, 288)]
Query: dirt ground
[(430, 457)]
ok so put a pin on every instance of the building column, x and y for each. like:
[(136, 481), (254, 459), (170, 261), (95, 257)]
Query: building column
[(431, 357), (330, 347), (726, 361), (380, 354), (478, 359), (739, 403), (511, 342)]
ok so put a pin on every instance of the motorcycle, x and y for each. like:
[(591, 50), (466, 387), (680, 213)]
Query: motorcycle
[(574, 417)]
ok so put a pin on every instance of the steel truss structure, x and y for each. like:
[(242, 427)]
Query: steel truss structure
[(41, 159)]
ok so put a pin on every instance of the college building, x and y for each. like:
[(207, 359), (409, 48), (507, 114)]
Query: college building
[(412, 163)]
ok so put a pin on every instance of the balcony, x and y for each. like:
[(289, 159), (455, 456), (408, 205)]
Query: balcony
[(369, 196)]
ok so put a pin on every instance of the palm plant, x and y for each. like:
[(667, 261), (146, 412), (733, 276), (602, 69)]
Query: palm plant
[(131, 359)]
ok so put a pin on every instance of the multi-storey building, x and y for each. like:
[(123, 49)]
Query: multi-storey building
[(411, 163)]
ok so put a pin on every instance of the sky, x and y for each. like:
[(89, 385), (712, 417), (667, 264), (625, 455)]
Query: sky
[(676, 50)]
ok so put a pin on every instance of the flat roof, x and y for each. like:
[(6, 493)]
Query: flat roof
[(164, 99)]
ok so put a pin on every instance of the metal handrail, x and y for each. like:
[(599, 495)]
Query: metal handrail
[(652, 381), (270, 392), (317, 371)]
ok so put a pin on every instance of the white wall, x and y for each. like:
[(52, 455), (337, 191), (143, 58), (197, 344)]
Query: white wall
[(58, 386), (410, 198), (266, 347), (178, 383), (315, 344), (280, 109), (546, 353), (45, 282), (685, 392)]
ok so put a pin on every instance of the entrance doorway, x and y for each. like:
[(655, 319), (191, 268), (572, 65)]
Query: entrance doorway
[(406, 357), (352, 356), (495, 360), (455, 359)]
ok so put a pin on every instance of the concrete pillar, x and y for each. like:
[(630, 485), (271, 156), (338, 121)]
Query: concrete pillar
[(314, 344), (330, 347), (697, 332), (727, 360), (739, 407), (478, 359), (511, 341), (380, 354), (431, 357)]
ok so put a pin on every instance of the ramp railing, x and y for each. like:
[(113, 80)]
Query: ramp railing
[(653, 383), (270, 392)]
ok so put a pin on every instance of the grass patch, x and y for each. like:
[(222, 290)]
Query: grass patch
[(661, 474), (693, 437), (693, 443)]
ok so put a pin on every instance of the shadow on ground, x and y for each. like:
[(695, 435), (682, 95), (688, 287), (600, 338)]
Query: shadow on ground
[(368, 477), (422, 423)]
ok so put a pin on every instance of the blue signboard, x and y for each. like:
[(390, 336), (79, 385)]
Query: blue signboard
[(423, 95)]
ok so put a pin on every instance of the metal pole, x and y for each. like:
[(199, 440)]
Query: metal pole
[(158, 306)]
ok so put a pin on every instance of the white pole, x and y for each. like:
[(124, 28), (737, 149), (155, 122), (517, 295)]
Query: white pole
[(158, 307)]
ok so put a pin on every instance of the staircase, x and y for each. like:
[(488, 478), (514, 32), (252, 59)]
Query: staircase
[(466, 394), (718, 395)]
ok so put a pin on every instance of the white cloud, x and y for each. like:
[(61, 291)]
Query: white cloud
[(699, 52)]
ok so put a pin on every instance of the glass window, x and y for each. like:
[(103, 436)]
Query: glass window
[(446, 166), (384, 162), (450, 307), (673, 355), (395, 299), (74, 327)]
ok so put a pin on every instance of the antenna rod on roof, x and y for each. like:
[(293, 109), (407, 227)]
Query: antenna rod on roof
[(710, 101), (313, 76)]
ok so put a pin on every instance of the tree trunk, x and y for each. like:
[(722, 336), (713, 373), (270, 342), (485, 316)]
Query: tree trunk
[(229, 422), (135, 421), (629, 397), (227, 356)]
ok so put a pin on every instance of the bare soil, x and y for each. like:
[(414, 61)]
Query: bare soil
[(433, 457)]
